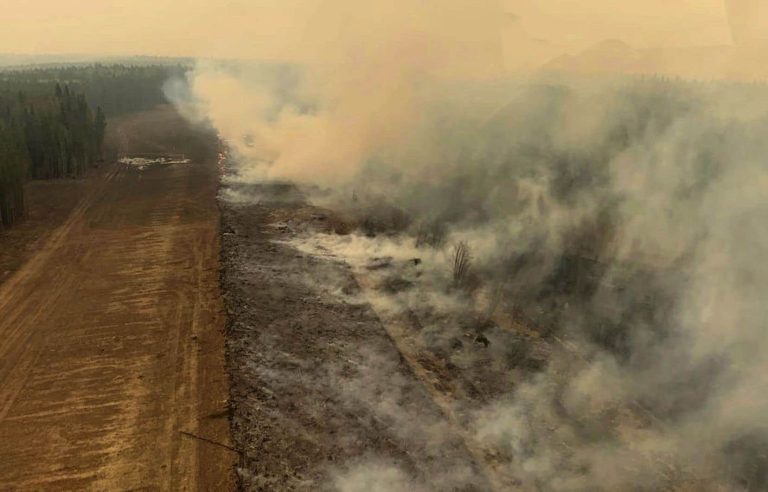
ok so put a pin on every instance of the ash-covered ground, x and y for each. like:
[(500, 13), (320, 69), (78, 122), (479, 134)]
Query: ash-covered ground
[(360, 361), (321, 396)]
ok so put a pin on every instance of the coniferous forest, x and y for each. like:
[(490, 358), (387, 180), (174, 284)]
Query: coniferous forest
[(53, 121)]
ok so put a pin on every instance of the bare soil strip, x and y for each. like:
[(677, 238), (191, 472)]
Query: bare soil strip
[(111, 338), (49, 205)]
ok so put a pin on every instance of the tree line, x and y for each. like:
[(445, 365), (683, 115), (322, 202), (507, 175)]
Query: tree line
[(53, 119), (116, 88), (44, 136)]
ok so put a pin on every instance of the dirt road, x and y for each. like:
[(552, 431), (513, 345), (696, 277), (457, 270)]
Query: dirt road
[(111, 335)]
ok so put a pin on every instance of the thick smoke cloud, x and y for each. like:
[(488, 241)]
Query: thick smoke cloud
[(369, 72), (670, 186), (625, 218)]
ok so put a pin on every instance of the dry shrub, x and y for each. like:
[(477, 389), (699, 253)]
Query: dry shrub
[(431, 235), (462, 264), (382, 219)]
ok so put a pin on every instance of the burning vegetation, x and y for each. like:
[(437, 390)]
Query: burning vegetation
[(571, 268), (579, 312)]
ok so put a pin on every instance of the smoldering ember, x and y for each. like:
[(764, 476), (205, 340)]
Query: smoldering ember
[(449, 245)]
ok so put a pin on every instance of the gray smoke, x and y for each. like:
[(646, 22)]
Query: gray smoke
[(629, 219), (625, 219)]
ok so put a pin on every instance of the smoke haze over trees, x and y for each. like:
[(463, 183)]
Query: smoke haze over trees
[(115, 88)]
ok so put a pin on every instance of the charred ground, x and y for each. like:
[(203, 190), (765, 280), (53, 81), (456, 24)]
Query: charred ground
[(317, 382)]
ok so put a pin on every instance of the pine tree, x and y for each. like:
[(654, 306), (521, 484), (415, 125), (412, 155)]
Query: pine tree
[(99, 131)]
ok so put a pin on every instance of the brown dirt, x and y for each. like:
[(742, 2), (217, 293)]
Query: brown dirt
[(111, 332), (49, 203)]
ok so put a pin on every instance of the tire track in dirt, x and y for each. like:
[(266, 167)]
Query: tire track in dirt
[(111, 342), (18, 354)]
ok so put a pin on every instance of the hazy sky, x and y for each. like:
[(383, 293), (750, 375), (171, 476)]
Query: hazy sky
[(270, 28)]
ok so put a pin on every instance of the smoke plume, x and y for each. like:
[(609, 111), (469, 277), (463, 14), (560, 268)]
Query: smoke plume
[(624, 217), (369, 73)]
